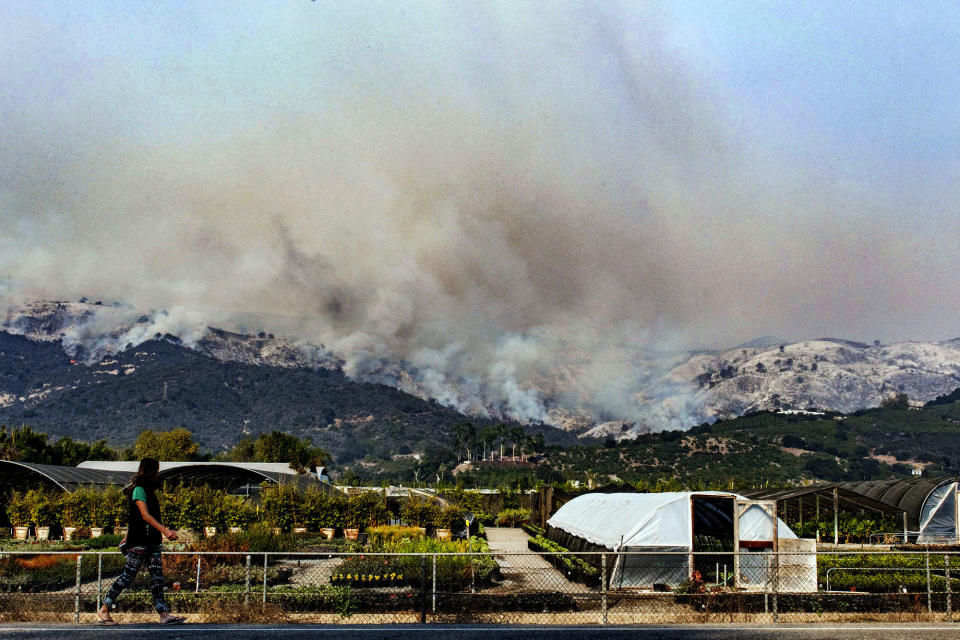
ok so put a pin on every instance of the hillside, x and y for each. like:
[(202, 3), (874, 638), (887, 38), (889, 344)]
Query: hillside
[(590, 389), (820, 375), (780, 448), (162, 384)]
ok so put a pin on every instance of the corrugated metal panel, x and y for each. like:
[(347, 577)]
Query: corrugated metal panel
[(846, 498), (906, 494), (25, 474)]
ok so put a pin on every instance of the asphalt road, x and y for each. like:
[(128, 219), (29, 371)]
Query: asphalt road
[(486, 632)]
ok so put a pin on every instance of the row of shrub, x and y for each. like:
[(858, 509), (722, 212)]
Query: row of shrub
[(280, 506), (197, 507), (887, 573), (849, 529), (429, 513), (283, 507), (512, 517), (82, 508), (454, 572), (576, 569)]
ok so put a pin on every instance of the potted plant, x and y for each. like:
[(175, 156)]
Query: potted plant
[(323, 513), (71, 513), (334, 515), (297, 516), (236, 513), (97, 513), (211, 510), (357, 514), (18, 511), (115, 508), (279, 504), (43, 510), (420, 514), (351, 526), (214, 510), (449, 519)]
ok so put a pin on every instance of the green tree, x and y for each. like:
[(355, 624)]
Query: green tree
[(277, 446), (174, 445), (24, 445), (242, 452)]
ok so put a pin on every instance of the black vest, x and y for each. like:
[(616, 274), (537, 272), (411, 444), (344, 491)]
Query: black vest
[(139, 533)]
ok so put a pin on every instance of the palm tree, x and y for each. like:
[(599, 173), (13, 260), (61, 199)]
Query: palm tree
[(461, 438), (516, 435), (471, 440)]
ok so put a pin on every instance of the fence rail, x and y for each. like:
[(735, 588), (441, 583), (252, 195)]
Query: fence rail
[(496, 587)]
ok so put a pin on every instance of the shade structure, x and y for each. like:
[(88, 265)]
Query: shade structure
[(929, 504), (231, 477), (847, 499), (660, 530), (235, 477), (27, 475), (925, 508)]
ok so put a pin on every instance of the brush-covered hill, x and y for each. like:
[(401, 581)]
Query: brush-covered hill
[(780, 448), (161, 384), (592, 389)]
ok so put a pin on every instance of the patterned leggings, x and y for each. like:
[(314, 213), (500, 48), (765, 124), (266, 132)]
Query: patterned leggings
[(136, 556)]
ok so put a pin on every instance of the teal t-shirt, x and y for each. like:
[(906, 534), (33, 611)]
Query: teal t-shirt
[(139, 494)]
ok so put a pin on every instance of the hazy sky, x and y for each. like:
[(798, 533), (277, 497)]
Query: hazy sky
[(420, 179)]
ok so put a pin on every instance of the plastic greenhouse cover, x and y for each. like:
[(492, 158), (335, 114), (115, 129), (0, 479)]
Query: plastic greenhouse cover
[(643, 520), (938, 518)]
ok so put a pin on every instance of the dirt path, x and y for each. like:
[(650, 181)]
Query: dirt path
[(528, 572)]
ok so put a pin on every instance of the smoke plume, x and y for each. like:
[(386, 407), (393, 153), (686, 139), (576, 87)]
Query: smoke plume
[(472, 200)]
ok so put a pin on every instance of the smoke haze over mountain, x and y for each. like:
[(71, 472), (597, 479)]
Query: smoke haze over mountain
[(468, 188)]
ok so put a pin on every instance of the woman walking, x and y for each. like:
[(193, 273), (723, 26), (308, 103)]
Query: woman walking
[(143, 543)]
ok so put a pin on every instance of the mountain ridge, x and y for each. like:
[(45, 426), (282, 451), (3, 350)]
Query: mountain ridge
[(162, 384), (648, 390)]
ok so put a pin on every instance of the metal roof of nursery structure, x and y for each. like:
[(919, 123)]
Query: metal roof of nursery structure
[(232, 477), (928, 508), (28, 475)]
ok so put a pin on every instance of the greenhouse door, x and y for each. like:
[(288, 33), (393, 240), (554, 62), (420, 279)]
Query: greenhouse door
[(713, 538), (749, 570)]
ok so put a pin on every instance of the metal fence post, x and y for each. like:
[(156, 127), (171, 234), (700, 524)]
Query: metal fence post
[(265, 556), (99, 579), (929, 589), (434, 592), (196, 588), (776, 585), (76, 600), (946, 573), (603, 589), (766, 589), (423, 589), (246, 591)]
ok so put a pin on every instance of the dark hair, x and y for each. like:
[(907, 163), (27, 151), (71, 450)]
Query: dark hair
[(146, 476)]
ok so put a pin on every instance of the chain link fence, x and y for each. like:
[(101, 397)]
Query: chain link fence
[(519, 588)]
